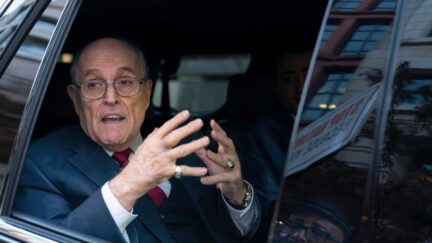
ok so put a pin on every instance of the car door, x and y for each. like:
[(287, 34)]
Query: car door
[(360, 149), (32, 33)]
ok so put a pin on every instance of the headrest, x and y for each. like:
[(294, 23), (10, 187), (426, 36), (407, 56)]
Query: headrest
[(248, 95)]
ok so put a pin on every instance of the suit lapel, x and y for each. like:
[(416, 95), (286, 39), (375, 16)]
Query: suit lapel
[(94, 163), (99, 167)]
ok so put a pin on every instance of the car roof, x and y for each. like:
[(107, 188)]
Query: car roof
[(197, 27)]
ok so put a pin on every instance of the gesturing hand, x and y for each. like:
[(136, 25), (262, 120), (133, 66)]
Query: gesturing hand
[(224, 166), (155, 159)]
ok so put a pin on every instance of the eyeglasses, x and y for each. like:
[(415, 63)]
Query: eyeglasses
[(97, 88), (313, 234)]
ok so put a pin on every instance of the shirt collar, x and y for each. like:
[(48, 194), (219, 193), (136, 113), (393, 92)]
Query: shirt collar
[(134, 146)]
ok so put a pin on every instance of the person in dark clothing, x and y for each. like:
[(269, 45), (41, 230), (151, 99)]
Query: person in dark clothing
[(262, 142)]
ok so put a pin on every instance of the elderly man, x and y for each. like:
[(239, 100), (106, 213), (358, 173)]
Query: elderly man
[(101, 178)]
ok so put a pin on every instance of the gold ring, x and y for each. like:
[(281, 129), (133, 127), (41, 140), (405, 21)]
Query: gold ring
[(178, 172), (229, 164)]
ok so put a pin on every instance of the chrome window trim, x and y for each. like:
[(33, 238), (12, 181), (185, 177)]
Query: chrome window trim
[(34, 103), (5, 6), (21, 33), (19, 234), (383, 107)]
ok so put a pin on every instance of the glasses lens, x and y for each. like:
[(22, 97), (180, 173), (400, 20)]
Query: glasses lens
[(317, 235), (93, 88), (127, 86)]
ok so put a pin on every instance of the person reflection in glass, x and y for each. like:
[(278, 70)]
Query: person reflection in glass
[(316, 220)]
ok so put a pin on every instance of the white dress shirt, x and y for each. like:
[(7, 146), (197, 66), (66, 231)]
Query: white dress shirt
[(242, 218)]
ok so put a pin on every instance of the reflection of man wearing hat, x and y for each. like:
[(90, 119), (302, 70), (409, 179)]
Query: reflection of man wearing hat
[(314, 219)]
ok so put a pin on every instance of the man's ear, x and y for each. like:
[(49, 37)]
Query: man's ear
[(73, 95), (148, 89)]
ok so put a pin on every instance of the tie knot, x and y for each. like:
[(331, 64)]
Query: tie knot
[(122, 157)]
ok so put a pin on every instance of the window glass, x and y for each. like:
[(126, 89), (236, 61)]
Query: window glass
[(330, 156), (328, 31), (3, 4), (18, 79), (415, 91), (386, 5), (364, 39), (11, 20), (203, 77), (328, 96), (345, 4), (404, 205)]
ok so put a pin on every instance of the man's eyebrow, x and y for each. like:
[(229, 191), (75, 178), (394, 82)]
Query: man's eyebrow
[(91, 72), (126, 68)]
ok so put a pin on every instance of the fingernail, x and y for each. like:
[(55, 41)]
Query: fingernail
[(198, 120)]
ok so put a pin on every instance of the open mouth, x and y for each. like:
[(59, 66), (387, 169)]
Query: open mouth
[(113, 118)]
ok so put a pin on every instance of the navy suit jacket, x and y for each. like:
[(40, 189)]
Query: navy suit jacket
[(61, 182), (262, 145)]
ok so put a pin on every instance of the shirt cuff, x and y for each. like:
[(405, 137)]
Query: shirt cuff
[(121, 216), (241, 212), (243, 218)]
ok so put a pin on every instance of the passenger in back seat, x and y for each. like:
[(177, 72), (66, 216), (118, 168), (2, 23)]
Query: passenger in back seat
[(262, 143)]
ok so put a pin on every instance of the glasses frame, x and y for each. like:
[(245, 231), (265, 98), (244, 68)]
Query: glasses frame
[(113, 82), (293, 224)]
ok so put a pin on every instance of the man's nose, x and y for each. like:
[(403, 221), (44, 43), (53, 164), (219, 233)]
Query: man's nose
[(111, 95)]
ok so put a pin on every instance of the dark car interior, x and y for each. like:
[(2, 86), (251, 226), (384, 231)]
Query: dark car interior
[(218, 59), (168, 30), (171, 29)]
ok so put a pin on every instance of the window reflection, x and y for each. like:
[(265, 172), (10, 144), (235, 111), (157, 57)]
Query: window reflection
[(417, 91), (364, 39), (354, 59), (18, 78), (386, 5), (328, 31), (12, 18), (328, 96), (346, 4)]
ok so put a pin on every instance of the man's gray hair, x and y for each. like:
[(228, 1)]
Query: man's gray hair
[(134, 47)]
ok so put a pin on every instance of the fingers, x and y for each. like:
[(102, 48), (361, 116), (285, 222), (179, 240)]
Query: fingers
[(193, 171), (186, 149), (217, 178), (223, 140), (217, 158), (215, 126), (173, 123), (174, 137)]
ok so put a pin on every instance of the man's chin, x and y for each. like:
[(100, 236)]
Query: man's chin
[(114, 143)]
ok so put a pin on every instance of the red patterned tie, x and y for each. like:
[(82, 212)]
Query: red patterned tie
[(156, 193)]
